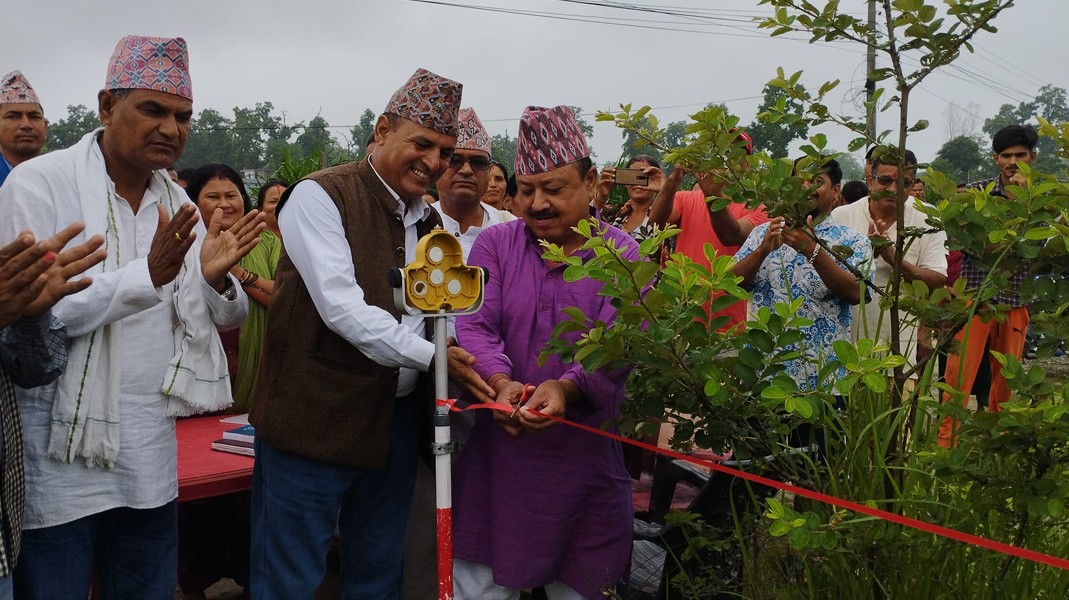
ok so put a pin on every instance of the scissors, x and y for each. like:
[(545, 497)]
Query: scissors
[(523, 400)]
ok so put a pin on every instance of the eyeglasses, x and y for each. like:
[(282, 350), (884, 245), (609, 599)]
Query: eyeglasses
[(478, 163), (886, 180)]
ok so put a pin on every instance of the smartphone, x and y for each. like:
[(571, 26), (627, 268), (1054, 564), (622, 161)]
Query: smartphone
[(631, 177)]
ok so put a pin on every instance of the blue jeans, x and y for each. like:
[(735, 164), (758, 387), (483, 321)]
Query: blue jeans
[(134, 551), (297, 502)]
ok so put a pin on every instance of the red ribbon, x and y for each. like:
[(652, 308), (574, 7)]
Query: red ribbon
[(975, 540)]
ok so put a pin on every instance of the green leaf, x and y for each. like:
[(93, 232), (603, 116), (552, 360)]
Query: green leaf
[(1040, 233), (876, 382), (845, 351), (776, 509), (779, 528)]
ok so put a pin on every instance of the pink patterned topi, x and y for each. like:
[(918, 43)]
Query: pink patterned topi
[(429, 100), (150, 63), (472, 134), (549, 138), (15, 89)]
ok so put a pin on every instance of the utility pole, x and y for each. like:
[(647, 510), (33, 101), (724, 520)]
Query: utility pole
[(870, 82)]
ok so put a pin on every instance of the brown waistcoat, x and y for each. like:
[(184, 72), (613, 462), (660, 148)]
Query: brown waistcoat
[(317, 395)]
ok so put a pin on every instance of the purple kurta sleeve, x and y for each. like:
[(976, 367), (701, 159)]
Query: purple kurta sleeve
[(479, 334)]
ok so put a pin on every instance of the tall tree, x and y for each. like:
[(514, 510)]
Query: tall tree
[(253, 129), (66, 132), (361, 132), (962, 159), (503, 149), (316, 137), (770, 132), (210, 140)]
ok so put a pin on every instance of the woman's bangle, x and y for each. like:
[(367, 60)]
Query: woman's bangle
[(813, 255)]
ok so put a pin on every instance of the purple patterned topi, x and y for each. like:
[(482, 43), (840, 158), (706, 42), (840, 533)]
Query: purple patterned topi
[(428, 100), (15, 89), (549, 138), (150, 63)]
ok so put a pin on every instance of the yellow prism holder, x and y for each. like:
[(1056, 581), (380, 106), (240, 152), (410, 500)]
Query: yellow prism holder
[(438, 281)]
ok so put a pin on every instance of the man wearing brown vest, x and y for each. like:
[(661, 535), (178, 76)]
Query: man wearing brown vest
[(340, 389)]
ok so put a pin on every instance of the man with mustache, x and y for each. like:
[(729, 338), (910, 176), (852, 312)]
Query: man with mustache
[(23, 128), (143, 344), (342, 390), (1011, 145), (537, 505), (779, 262)]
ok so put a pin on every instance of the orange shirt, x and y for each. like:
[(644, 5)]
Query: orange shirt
[(696, 230)]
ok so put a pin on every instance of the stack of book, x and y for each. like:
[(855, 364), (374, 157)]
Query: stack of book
[(237, 441)]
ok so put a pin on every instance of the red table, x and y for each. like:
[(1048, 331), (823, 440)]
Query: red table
[(203, 472)]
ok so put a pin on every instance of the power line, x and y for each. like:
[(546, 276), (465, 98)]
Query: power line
[(499, 120)]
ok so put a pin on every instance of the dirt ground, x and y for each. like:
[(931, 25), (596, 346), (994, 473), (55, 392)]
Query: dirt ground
[(1057, 367)]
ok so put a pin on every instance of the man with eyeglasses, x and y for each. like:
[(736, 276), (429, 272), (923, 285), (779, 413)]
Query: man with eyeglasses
[(463, 184), (924, 258)]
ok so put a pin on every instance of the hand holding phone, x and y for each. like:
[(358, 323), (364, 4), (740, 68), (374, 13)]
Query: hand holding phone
[(631, 177)]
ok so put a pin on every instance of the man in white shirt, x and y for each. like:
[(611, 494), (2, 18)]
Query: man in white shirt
[(101, 452), (463, 184), (341, 391), (924, 258)]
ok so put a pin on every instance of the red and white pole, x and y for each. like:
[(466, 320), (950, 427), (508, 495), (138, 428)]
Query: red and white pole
[(443, 451)]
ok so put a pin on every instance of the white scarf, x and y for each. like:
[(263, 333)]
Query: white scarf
[(85, 413)]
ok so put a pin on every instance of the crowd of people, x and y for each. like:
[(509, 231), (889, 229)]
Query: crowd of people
[(131, 298)]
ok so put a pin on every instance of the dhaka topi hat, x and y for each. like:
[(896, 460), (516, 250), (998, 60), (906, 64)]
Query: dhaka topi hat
[(549, 138), (15, 89), (150, 63), (428, 100), (472, 135)]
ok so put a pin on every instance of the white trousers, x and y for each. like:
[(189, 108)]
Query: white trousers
[(473, 581)]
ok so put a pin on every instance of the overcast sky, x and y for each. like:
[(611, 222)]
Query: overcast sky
[(338, 57)]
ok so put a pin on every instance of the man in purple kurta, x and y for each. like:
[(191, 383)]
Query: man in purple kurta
[(537, 505)]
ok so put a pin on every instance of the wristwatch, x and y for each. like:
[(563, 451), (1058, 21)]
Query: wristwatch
[(229, 292)]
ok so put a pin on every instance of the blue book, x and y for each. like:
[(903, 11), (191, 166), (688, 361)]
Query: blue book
[(245, 433)]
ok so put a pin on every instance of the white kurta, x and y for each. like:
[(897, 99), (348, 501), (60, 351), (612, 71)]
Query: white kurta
[(491, 216), (41, 196), (927, 252)]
